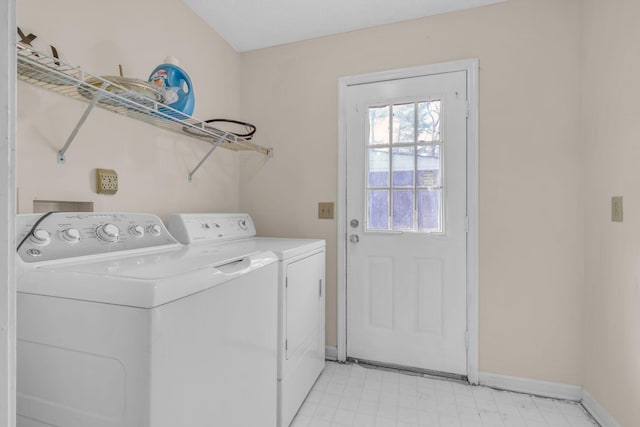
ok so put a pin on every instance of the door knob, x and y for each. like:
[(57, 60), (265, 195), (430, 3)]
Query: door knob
[(354, 238)]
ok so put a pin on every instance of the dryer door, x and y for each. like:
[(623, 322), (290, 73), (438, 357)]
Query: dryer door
[(304, 316), (303, 359)]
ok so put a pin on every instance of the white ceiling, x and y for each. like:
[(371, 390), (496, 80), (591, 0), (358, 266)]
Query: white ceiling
[(254, 24)]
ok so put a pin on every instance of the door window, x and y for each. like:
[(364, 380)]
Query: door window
[(404, 188)]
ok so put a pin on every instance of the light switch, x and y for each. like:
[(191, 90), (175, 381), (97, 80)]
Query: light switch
[(325, 210), (616, 209)]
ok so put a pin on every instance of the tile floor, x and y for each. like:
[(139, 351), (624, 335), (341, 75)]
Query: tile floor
[(351, 395)]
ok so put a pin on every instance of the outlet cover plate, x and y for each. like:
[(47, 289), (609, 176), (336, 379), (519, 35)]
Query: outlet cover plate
[(616, 209), (106, 181), (325, 210)]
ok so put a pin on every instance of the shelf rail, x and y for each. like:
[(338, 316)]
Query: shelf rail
[(50, 73)]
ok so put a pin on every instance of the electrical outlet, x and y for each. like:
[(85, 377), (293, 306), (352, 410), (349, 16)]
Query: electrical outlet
[(106, 181), (616, 209), (325, 210)]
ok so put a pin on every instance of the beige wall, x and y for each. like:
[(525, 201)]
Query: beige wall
[(152, 164), (531, 244), (611, 134)]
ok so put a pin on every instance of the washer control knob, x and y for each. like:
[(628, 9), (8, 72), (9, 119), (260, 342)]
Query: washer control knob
[(136, 230), (108, 233), (154, 230), (242, 223), (70, 235), (40, 237), (34, 252)]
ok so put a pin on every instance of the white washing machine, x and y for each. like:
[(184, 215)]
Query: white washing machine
[(119, 325), (301, 302)]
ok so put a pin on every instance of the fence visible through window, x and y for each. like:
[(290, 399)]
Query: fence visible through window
[(404, 183)]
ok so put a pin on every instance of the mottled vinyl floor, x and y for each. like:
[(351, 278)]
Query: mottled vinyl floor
[(352, 395)]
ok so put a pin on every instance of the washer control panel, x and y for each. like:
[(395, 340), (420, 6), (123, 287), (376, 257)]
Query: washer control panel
[(210, 228), (63, 235)]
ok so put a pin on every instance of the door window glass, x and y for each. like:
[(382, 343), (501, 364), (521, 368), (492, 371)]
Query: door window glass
[(404, 168)]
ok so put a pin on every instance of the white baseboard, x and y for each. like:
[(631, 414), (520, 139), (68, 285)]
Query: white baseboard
[(597, 411), (331, 353), (553, 390), (535, 387)]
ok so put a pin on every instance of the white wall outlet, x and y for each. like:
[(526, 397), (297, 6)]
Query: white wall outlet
[(106, 181)]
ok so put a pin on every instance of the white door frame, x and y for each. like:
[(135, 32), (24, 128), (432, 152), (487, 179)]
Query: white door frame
[(7, 213), (471, 66)]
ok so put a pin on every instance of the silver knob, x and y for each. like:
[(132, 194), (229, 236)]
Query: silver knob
[(108, 233), (70, 235), (136, 230), (354, 238), (41, 237), (34, 252), (154, 230)]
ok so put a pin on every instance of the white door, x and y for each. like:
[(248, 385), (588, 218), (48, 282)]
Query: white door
[(406, 222)]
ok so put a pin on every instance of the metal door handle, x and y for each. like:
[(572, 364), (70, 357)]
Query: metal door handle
[(354, 238)]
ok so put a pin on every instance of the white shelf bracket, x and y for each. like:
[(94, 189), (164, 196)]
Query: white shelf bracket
[(206, 156), (74, 132)]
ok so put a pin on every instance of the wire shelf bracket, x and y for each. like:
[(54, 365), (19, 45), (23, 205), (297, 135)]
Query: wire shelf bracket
[(61, 154)]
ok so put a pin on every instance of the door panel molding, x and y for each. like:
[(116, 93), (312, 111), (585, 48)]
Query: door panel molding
[(471, 67)]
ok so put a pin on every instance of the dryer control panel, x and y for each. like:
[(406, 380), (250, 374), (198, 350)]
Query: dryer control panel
[(63, 235), (210, 227)]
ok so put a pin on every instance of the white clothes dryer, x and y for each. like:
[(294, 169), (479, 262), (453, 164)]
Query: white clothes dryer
[(301, 301), (119, 325)]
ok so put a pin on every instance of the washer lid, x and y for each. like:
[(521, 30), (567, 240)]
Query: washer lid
[(155, 265), (143, 280)]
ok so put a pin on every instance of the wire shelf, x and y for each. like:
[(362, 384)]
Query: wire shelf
[(50, 73)]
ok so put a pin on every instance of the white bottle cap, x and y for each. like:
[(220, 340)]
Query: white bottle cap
[(171, 60)]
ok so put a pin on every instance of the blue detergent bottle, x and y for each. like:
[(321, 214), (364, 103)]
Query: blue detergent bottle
[(177, 86)]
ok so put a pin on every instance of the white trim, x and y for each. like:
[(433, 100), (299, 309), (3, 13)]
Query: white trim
[(331, 353), (341, 212), (528, 386), (472, 212), (597, 411), (7, 214), (553, 390), (471, 66)]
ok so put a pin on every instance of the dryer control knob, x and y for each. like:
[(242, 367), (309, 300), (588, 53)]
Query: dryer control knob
[(108, 232), (154, 230), (136, 230), (41, 237), (70, 235)]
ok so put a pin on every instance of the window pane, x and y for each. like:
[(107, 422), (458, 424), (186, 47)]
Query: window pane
[(429, 210), (429, 121), (403, 209), (404, 123), (403, 166), (379, 125), (378, 204), (429, 172), (378, 167)]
